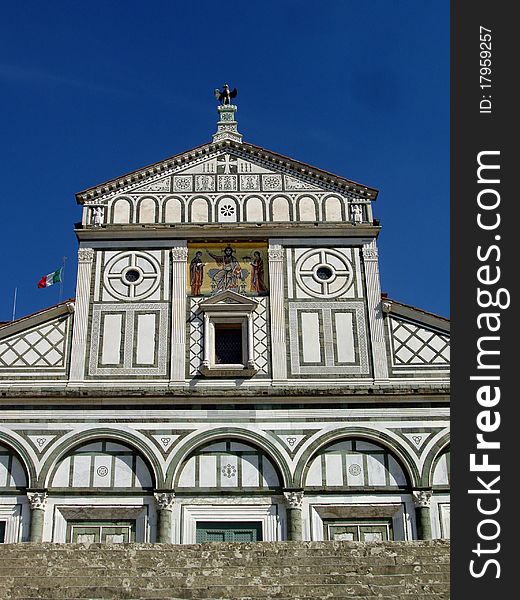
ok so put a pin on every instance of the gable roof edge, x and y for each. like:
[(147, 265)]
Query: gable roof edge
[(281, 161)]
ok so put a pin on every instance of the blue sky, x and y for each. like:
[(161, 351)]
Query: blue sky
[(92, 90)]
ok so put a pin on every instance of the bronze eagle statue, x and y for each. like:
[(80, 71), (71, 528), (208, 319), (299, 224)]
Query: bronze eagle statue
[(225, 95)]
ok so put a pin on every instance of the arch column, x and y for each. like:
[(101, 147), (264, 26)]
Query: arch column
[(164, 502), (38, 502), (422, 499), (294, 500)]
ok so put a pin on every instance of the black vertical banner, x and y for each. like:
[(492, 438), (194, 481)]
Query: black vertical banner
[(484, 165)]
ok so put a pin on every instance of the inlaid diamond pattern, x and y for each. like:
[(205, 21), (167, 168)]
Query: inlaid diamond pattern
[(414, 345), (196, 337), (260, 337), (41, 347)]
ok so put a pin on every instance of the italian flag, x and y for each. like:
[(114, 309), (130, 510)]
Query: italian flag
[(51, 278)]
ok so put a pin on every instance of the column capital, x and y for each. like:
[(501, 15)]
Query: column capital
[(85, 255), (422, 498), (179, 254), (294, 499), (276, 252), (164, 500), (370, 252), (37, 499)]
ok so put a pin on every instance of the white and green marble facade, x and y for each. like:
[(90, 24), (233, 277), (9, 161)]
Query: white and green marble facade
[(112, 410)]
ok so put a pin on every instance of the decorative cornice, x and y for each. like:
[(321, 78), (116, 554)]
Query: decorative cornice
[(164, 500), (422, 498), (318, 176), (294, 499), (85, 255), (37, 500)]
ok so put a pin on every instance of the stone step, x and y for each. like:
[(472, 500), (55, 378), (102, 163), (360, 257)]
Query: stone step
[(230, 592), (21, 569), (196, 580), (230, 571)]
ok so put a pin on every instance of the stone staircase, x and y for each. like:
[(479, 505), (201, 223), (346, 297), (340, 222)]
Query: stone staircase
[(231, 571)]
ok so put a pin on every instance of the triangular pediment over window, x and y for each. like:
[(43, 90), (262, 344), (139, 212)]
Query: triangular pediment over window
[(227, 300)]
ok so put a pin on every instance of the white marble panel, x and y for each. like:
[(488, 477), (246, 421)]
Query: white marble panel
[(121, 211), (250, 473), (111, 349), (143, 475), (147, 211), (269, 475), (228, 471), (172, 211), (314, 473), (146, 339), (199, 211), (376, 469), (355, 470), (344, 337), (281, 211), (81, 471), (254, 210), (334, 469), (307, 209), (440, 475), (102, 471), (187, 478), (397, 476), (123, 473), (4, 474), (61, 477), (208, 471), (311, 337), (333, 209)]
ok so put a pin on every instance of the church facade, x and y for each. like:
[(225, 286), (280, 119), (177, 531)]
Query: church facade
[(228, 369)]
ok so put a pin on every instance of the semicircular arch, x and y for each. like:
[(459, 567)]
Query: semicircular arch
[(20, 452), (245, 435), (441, 445), (103, 434), (393, 446)]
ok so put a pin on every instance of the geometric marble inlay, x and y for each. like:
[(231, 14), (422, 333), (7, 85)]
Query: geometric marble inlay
[(415, 345)]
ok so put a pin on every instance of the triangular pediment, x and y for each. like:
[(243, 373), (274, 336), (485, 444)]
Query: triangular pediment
[(225, 166), (228, 299)]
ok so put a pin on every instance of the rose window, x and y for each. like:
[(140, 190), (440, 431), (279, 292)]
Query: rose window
[(227, 210), (132, 275), (324, 273)]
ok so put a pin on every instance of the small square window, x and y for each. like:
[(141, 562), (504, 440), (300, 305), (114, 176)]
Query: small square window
[(228, 335), (228, 344)]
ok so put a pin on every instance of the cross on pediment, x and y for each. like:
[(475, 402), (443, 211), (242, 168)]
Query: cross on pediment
[(226, 164)]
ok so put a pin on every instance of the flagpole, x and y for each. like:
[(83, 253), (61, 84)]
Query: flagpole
[(64, 258), (14, 302)]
